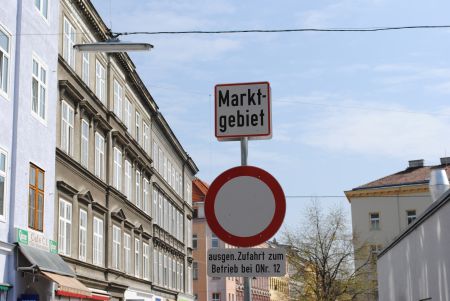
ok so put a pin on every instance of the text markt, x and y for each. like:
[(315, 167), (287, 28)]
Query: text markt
[(245, 117)]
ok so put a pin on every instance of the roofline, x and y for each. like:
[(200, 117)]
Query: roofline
[(432, 209), (391, 185), (388, 190)]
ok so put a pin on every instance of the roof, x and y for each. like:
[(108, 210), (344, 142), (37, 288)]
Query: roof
[(409, 176), (199, 190), (432, 209)]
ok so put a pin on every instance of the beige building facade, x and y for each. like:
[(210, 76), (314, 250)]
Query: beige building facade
[(383, 208), (124, 197)]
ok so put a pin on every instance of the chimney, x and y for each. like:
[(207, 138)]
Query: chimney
[(445, 161), (438, 183), (416, 163)]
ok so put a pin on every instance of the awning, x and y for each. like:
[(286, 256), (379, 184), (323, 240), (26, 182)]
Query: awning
[(44, 261), (4, 287), (99, 295), (69, 286)]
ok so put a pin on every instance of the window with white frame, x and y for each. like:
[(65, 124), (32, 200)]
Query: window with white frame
[(138, 127), (84, 142), (137, 261), (174, 274), (165, 168), (68, 42), (166, 214), (189, 286), (215, 296), (138, 189), (3, 168), (42, 7), (65, 227), (98, 242), (82, 235), (374, 221), (118, 99), (166, 272), (188, 194), (160, 264), (128, 179), (155, 155), (155, 205), (169, 228), (146, 196), (160, 160), (117, 177), (116, 247), (155, 266), (4, 61), (127, 253), (169, 175), (100, 81), (85, 76), (99, 156), (39, 89), (169, 262), (160, 213), (146, 261), (127, 114), (146, 137), (174, 183), (189, 230), (67, 132), (178, 275)]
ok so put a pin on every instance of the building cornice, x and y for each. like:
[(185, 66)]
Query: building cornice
[(386, 191)]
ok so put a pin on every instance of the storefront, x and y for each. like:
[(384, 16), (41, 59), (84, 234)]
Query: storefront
[(183, 297), (43, 275), (135, 295)]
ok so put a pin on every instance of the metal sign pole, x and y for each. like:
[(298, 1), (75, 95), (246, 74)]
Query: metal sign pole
[(247, 280)]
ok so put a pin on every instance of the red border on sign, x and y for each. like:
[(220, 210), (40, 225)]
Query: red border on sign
[(240, 136), (278, 217)]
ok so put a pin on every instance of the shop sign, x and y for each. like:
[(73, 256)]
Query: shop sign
[(36, 240)]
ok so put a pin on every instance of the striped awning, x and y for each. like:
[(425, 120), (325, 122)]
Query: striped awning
[(69, 286)]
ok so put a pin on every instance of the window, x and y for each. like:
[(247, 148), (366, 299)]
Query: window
[(138, 127), (117, 177), (100, 81), (160, 262), (138, 189), (98, 242), (4, 62), (195, 270), (127, 114), (38, 89), (127, 251), (36, 198), (82, 236), (146, 137), (67, 117), (68, 42), (160, 218), (161, 161), (178, 276), (146, 201), (85, 68), (214, 241), (155, 155), (165, 168), (146, 263), (128, 180), (155, 206), (194, 241), (411, 216), (137, 266), (215, 296), (42, 7), (3, 167), (374, 251), (65, 227), (374, 221), (118, 99), (155, 266), (116, 248), (166, 273), (84, 142), (99, 156)]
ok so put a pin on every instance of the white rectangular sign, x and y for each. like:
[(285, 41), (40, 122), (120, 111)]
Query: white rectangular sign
[(247, 262), (243, 110)]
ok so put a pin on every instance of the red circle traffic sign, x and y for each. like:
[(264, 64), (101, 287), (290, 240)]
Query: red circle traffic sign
[(245, 206)]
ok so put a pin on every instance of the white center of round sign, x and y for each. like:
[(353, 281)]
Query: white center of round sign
[(235, 206)]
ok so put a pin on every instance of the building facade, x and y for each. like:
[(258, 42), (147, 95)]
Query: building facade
[(123, 180), (216, 288), (415, 265), (28, 52), (383, 208)]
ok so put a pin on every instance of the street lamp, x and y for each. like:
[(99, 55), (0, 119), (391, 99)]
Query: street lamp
[(113, 45)]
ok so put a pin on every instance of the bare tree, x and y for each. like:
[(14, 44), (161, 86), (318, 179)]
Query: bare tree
[(322, 258)]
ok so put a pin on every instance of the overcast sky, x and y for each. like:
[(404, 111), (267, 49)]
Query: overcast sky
[(344, 104)]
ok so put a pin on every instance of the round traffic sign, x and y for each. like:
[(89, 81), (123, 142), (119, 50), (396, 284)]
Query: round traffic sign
[(245, 206)]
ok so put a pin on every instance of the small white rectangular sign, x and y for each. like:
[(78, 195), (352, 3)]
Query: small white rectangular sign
[(243, 110), (247, 262)]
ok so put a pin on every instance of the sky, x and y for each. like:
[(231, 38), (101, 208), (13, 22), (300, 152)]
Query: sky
[(348, 108)]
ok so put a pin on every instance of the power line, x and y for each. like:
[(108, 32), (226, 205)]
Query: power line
[(366, 29), (343, 196)]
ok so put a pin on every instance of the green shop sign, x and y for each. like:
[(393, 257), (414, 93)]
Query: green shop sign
[(36, 240)]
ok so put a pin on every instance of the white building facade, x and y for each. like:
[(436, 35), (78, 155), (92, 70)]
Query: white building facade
[(28, 58)]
